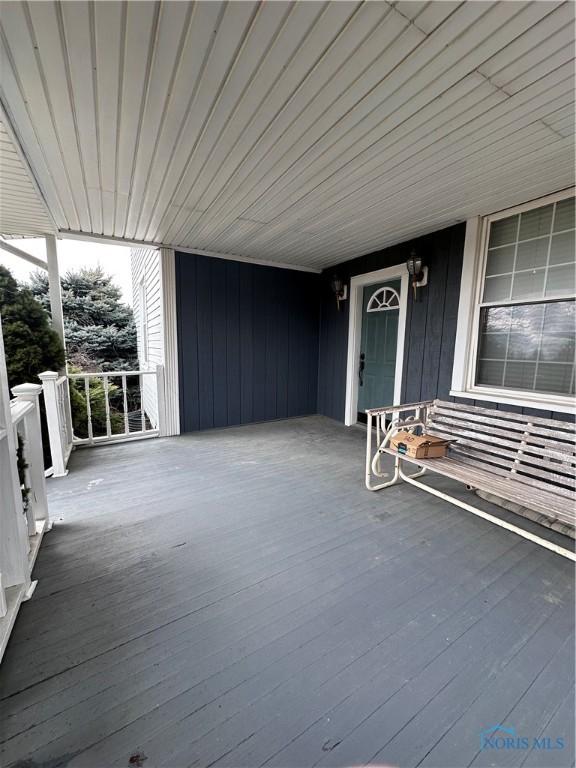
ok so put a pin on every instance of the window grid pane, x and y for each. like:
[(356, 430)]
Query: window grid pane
[(528, 347), (525, 251)]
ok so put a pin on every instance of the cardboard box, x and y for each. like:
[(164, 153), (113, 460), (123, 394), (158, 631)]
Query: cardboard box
[(418, 446)]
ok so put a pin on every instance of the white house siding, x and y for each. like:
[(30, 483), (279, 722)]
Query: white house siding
[(147, 283)]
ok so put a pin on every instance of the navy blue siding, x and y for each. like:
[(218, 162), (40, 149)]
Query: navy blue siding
[(430, 325), (248, 342), (259, 343), (430, 322)]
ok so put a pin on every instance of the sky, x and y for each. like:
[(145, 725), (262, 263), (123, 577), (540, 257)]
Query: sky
[(114, 260)]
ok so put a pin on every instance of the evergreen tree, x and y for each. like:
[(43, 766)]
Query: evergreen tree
[(99, 328), (32, 346)]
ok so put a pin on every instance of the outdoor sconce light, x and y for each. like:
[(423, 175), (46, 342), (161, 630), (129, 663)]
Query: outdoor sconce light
[(340, 290), (417, 271)]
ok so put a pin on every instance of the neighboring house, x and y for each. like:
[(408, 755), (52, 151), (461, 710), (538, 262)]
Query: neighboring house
[(147, 305), (493, 325)]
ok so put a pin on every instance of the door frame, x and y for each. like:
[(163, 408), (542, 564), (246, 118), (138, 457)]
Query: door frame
[(357, 284)]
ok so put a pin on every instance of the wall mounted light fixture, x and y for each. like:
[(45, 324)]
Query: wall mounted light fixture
[(417, 271), (340, 289)]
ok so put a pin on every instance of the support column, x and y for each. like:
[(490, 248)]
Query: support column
[(170, 342), (49, 381), (54, 286)]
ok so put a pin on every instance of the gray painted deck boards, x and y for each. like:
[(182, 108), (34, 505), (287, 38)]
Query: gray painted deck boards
[(237, 598)]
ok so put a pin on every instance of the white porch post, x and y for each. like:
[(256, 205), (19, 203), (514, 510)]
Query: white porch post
[(49, 381), (171, 425), (54, 286), (30, 393)]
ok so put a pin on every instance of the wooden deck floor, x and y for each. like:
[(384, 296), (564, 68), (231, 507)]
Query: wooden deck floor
[(237, 598)]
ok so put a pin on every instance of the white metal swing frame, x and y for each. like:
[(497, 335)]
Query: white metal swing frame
[(418, 419)]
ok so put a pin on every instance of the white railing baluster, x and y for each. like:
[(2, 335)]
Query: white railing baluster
[(88, 410), (142, 412), (61, 411), (107, 406), (125, 405), (68, 412), (161, 400)]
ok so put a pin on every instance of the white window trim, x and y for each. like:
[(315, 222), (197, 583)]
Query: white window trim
[(357, 284), (466, 346)]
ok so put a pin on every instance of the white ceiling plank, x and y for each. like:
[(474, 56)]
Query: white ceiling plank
[(313, 234), (562, 57), (467, 100), (198, 41), (349, 111), (301, 185), (553, 174), (173, 26), (252, 59), (79, 55), (442, 185), (300, 133), (335, 105), (299, 170), (137, 56), (51, 57), (525, 107), (434, 14), (312, 60), (108, 32), (232, 29), (434, 218), (388, 203), (298, 55), (327, 64), (539, 36), (277, 62), (451, 193), (411, 8)]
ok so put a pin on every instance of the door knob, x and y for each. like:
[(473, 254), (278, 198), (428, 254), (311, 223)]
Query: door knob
[(361, 368)]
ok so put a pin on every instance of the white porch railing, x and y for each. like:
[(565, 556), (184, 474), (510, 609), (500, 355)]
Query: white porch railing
[(23, 504), (25, 411), (118, 405)]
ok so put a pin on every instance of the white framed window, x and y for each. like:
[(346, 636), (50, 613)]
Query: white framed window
[(517, 315)]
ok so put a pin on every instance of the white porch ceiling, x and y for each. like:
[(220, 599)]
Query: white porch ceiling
[(303, 133)]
